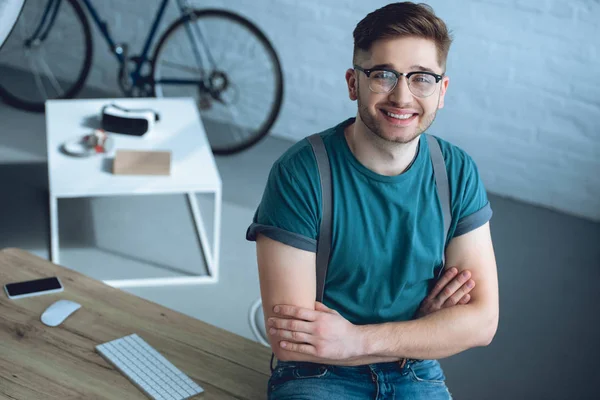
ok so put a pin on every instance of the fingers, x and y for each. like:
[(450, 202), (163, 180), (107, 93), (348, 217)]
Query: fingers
[(443, 281), (290, 325), (298, 337), (296, 312), (299, 348), (452, 287), (460, 294)]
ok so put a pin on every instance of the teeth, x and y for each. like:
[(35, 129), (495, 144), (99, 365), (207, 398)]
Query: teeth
[(399, 116)]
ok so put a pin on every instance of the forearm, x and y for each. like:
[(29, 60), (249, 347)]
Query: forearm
[(442, 334), (360, 359), (284, 355)]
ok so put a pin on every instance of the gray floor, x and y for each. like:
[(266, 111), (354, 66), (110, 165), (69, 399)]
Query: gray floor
[(547, 343)]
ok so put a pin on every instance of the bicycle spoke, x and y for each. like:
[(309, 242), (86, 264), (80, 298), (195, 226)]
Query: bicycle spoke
[(9, 50), (29, 54), (180, 66), (200, 42), (242, 67), (248, 105), (216, 34), (33, 77), (231, 46), (222, 55), (22, 26), (220, 62), (250, 76), (246, 63), (193, 39), (240, 62), (36, 75), (252, 99), (236, 116), (51, 77)]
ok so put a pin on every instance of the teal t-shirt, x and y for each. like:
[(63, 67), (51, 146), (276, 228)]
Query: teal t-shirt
[(387, 238)]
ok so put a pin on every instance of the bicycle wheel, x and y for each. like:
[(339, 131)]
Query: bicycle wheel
[(229, 66), (47, 56), (9, 12)]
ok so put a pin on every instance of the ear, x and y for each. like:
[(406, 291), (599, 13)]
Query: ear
[(352, 84), (443, 89)]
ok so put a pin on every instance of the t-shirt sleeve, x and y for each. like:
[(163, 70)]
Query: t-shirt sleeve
[(474, 208), (288, 211)]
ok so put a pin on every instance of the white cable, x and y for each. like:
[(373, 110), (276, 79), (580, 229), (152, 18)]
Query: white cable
[(256, 306)]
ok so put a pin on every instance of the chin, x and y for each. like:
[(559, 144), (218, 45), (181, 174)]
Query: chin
[(398, 135), (389, 132)]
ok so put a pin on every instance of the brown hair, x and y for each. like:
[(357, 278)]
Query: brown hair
[(402, 20)]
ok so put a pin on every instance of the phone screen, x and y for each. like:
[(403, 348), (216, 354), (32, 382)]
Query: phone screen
[(35, 286)]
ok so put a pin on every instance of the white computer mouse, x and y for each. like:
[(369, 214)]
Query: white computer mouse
[(59, 311)]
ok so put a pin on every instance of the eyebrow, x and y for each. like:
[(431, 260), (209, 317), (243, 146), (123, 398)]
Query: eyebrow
[(422, 68), (412, 67)]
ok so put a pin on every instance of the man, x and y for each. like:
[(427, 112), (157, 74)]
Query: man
[(378, 308)]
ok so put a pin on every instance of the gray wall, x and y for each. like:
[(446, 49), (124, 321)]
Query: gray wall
[(523, 97)]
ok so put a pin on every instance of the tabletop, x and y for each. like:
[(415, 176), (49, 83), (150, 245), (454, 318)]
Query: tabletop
[(37, 361), (179, 130)]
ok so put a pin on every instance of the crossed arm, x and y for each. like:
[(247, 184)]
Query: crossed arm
[(303, 330)]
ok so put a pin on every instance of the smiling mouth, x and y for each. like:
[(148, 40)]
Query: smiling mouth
[(399, 116), (403, 118)]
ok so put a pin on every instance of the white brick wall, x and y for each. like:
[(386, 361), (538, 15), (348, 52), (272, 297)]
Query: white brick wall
[(524, 96)]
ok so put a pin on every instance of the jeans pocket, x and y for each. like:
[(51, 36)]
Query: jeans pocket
[(427, 371), (293, 371), (303, 371)]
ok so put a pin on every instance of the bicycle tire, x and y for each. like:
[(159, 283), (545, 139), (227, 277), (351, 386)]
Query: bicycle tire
[(263, 131), (8, 20), (16, 101)]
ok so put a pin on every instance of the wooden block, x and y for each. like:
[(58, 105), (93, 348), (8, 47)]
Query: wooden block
[(130, 162)]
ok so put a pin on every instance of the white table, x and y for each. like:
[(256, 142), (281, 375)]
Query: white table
[(193, 169)]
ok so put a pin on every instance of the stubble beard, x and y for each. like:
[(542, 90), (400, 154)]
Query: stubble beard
[(375, 126)]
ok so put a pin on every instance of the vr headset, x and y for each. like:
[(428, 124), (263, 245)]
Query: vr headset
[(118, 119)]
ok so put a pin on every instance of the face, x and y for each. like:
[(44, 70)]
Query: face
[(412, 115)]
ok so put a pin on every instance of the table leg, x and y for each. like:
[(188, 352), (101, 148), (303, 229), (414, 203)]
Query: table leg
[(210, 255), (54, 245), (217, 234)]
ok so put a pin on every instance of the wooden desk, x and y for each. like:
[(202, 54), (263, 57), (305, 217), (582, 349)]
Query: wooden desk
[(40, 362)]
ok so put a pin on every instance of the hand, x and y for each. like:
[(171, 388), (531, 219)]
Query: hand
[(321, 332), (452, 289)]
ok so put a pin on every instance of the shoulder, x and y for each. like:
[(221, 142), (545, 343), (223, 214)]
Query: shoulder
[(463, 174), (297, 156), (456, 158), (469, 201)]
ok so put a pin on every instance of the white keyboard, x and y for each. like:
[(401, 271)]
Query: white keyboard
[(148, 369)]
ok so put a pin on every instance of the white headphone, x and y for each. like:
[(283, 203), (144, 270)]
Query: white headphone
[(97, 142)]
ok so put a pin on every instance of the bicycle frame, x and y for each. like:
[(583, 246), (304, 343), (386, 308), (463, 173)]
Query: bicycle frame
[(143, 57), (137, 79)]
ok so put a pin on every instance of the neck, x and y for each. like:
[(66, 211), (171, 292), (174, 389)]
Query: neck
[(379, 155)]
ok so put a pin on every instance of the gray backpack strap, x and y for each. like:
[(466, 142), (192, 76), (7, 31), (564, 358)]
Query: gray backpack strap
[(442, 187), (324, 240)]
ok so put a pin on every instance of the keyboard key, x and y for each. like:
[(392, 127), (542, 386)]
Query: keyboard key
[(149, 370)]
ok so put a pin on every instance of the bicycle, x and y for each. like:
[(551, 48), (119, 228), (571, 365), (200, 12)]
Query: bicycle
[(237, 109), (9, 12)]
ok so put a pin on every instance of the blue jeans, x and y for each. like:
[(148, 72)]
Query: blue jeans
[(418, 380)]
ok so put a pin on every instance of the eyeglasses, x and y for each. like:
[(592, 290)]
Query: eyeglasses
[(382, 80)]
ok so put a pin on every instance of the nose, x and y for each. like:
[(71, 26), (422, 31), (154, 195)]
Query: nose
[(401, 93)]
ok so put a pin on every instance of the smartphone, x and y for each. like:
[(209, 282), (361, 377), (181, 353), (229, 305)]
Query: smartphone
[(36, 287)]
